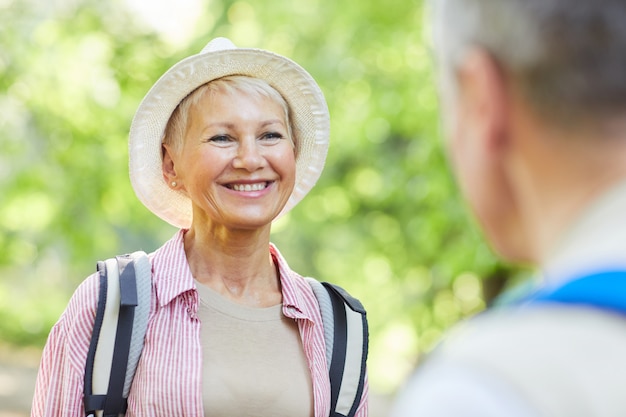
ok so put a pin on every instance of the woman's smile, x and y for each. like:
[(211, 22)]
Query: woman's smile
[(248, 187)]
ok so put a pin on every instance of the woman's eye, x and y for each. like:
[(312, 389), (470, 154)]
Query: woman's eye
[(219, 138), (272, 135)]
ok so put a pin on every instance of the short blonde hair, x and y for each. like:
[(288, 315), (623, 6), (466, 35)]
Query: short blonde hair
[(177, 124)]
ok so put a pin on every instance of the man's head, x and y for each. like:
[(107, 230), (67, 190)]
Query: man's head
[(567, 57), (514, 75)]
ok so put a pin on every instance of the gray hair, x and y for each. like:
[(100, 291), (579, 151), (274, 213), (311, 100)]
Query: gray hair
[(567, 56), (255, 87)]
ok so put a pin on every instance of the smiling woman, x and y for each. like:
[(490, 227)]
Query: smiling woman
[(236, 162), (224, 143)]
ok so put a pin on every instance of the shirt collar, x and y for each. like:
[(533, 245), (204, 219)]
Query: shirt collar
[(596, 242), (293, 287), (172, 278)]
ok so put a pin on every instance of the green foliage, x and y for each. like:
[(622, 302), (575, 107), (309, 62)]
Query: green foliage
[(384, 221)]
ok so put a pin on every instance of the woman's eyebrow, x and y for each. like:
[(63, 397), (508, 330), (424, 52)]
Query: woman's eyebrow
[(271, 122)]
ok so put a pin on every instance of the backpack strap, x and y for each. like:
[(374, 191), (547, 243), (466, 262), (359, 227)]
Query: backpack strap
[(605, 290), (119, 330), (347, 338)]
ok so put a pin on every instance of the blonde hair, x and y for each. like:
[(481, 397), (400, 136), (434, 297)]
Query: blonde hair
[(177, 124)]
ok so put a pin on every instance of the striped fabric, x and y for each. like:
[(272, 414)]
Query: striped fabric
[(168, 379)]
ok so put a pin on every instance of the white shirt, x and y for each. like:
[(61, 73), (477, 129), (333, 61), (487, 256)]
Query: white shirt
[(444, 387)]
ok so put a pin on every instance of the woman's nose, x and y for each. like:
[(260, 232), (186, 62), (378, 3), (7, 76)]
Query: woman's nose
[(249, 156)]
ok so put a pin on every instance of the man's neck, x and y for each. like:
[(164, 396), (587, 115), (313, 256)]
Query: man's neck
[(594, 242), (557, 174)]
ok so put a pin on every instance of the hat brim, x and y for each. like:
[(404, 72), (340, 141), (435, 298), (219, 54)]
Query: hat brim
[(308, 111)]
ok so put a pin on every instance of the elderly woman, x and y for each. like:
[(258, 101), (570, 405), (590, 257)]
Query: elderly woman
[(224, 143)]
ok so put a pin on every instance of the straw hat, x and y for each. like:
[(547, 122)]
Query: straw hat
[(220, 58)]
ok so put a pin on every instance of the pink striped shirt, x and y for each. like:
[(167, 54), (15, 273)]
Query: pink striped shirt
[(168, 381)]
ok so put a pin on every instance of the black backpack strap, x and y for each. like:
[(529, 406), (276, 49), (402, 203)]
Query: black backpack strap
[(347, 337), (113, 403), (95, 402)]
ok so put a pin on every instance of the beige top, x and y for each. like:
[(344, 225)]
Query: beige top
[(253, 361)]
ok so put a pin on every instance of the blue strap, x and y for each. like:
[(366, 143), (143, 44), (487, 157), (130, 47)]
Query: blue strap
[(605, 290)]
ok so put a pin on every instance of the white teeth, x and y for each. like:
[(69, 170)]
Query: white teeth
[(250, 187)]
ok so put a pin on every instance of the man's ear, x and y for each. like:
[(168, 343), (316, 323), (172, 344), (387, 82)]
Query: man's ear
[(484, 98)]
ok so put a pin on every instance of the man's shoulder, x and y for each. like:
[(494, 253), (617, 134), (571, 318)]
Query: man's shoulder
[(534, 327), (551, 354)]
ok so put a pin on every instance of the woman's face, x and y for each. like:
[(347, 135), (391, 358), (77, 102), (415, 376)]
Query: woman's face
[(236, 163)]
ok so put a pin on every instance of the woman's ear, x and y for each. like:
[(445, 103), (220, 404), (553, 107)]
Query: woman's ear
[(169, 166)]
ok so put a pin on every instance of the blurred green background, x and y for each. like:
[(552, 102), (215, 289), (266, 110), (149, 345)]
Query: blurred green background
[(385, 220)]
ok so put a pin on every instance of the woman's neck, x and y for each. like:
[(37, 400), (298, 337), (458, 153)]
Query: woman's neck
[(235, 263)]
